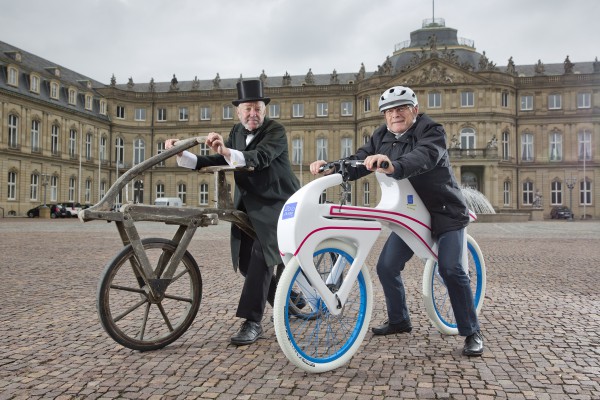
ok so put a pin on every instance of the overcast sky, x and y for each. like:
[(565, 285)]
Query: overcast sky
[(146, 39)]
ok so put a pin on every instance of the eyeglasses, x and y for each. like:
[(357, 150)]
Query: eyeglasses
[(401, 108)]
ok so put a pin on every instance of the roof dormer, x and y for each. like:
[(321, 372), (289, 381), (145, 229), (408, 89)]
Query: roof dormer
[(15, 55), (54, 71)]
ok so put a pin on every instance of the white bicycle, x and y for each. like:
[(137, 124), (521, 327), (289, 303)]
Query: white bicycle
[(324, 297)]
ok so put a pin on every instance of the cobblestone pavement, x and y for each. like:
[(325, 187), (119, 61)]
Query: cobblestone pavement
[(540, 321)]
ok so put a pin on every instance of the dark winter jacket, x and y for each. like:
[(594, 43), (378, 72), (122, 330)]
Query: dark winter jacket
[(262, 192), (420, 155)]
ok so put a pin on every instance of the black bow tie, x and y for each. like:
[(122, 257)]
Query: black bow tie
[(247, 132)]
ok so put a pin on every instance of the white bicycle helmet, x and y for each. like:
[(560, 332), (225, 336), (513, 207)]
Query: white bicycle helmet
[(396, 96)]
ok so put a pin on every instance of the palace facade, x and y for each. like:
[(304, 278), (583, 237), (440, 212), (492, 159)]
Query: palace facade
[(526, 136)]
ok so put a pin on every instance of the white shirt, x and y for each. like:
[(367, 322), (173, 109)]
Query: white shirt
[(236, 159)]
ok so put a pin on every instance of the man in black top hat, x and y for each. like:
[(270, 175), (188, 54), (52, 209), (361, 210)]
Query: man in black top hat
[(260, 143)]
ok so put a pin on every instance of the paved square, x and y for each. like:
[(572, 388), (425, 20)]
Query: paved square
[(540, 320)]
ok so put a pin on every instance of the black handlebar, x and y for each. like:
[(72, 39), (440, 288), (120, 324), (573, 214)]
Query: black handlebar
[(351, 163)]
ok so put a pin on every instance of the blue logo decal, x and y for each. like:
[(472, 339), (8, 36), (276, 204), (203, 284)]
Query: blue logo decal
[(409, 199), (289, 210)]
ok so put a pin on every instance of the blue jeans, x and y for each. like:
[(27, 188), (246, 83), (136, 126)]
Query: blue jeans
[(391, 262)]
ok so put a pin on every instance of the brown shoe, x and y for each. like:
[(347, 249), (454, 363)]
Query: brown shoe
[(390, 329)]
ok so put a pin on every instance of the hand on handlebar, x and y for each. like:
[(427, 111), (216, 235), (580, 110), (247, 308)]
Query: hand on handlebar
[(321, 166), (217, 144), (379, 163), (169, 143)]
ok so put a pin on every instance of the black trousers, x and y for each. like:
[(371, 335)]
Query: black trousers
[(260, 281)]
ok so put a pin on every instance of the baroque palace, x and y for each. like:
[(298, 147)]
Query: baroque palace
[(526, 136)]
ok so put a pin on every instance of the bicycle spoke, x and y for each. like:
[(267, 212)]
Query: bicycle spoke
[(144, 322), (129, 310), (165, 317)]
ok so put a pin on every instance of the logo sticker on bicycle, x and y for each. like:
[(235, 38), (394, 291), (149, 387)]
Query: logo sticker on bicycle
[(410, 202), (289, 211)]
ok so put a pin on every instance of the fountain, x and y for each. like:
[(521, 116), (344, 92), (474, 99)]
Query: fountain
[(477, 201)]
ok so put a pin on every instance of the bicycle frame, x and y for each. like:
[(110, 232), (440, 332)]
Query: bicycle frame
[(304, 223)]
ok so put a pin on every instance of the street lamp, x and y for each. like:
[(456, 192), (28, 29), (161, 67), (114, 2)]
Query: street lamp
[(570, 182)]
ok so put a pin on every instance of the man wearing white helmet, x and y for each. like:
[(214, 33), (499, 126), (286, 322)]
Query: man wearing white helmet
[(415, 148)]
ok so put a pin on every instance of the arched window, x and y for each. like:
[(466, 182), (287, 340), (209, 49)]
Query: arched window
[(203, 194), (119, 152), (467, 138), (555, 146), (507, 193), (139, 151), (13, 131), (505, 146)]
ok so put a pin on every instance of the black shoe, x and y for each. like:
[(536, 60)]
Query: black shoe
[(473, 345), (390, 329), (249, 333), (297, 299)]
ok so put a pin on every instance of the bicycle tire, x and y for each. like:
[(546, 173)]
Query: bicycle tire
[(435, 294), (128, 313), (316, 341)]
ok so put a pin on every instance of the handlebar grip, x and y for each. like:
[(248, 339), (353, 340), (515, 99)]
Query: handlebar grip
[(326, 166)]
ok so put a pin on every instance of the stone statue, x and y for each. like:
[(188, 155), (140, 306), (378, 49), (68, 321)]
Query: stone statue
[(537, 200), (361, 73), (113, 80), (174, 83), (263, 77), (596, 65), (493, 143), (130, 83), (568, 66), (196, 83), (286, 80), (454, 143), (151, 85), (310, 77), (217, 82), (333, 79), (510, 68), (539, 68)]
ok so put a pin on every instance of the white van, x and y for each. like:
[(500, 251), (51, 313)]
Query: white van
[(168, 201)]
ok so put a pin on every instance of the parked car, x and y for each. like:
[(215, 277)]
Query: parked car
[(561, 212), (56, 211), (72, 208)]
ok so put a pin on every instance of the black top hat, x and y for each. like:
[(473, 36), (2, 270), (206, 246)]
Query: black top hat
[(251, 90)]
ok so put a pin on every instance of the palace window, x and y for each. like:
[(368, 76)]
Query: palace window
[(274, 110), (322, 149), (347, 108), (322, 110), (35, 135), (434, 100), (205, 113), (13, 131), (527, 147), (203, 194), (556, 193), (528, 193), (555, 147), (161, 114), (526, 102), (554, 102), (297, 110), (584, 100), (467, 99)]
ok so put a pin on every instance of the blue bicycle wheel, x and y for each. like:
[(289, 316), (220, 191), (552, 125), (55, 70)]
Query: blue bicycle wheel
[(314, 339), (435, 293)]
